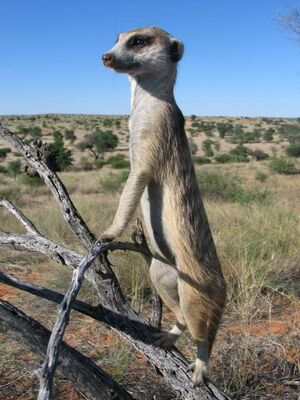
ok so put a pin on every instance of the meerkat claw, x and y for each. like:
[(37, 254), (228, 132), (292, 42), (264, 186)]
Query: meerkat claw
[(200, 372)]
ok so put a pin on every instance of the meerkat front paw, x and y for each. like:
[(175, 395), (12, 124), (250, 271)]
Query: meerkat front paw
[(200, 371), (165, 339), (109, 235), (104, 237)]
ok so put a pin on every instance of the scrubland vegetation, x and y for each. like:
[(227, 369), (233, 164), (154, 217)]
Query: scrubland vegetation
[(248, 171)]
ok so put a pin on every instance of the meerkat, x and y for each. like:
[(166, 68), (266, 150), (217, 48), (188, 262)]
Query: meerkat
[(185, 269)]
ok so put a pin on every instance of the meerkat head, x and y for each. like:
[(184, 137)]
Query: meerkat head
[(144, 51)]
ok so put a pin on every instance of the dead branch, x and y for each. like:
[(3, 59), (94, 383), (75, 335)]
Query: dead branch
[(85, 374), (170, 364), (62, 320)]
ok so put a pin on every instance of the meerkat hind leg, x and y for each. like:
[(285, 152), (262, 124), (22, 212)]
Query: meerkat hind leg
[(199, 366), (165, 279)]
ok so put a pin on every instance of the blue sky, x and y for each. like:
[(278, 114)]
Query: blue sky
[(237, 62)]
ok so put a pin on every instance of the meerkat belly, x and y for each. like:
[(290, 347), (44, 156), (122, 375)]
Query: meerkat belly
[(152, 204)]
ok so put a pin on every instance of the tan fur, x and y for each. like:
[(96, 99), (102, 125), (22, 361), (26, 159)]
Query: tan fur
[(188, 276)]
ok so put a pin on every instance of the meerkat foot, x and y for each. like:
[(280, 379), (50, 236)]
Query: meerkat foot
[(200, 371), (165, 339)]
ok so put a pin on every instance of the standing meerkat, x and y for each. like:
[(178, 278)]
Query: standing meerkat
[(187, 272)]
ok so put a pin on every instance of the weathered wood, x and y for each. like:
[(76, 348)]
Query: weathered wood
[(30, 227), (62, 320), (90, 379)]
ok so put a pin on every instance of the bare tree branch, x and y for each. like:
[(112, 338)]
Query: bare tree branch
[(63, 316), (19, 215), (85, 374)]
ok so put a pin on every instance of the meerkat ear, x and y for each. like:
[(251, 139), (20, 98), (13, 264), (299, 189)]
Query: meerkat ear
[(176, 49)]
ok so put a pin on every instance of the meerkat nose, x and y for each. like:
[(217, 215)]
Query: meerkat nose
[(107, 58)]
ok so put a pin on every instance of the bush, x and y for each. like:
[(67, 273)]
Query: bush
[(226, 187), (268, 135), (201, 160), (207, 147), (293, 150), (240, 152), (259, 155), (3, 170), (112, 182), (193, 146), (261, 176), (35, 132), (14, 167), (118, 161), (282, 165), (69, 135), (58, 158), (223, 158), (28, 180), (4, 151)]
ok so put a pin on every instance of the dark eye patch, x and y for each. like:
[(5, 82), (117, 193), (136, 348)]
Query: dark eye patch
[(137, 42)]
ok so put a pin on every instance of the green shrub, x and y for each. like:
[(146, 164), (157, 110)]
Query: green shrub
[(201, 160), (118, 161), (261, 176), (293, 150), (28, 180), (207, 147), (58, 157), (240, 152), (268, 135), (4, 151), (193, 146), (224, 186), (69, 135), (3, 170), (223, 158), (35, 132), (282, 165), (113, 182), (14, 167), (11, 194)]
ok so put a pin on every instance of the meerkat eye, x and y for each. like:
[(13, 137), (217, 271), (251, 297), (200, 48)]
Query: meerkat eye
[(138, 41)]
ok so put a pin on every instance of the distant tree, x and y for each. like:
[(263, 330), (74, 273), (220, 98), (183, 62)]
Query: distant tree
[(4, 151), (69, 135), (193, 146), (58, 158), (14, 167), (207, 147), (98, 143), (268, 134), (293, 150), (291, 22), (193, 117), (35, 132)]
